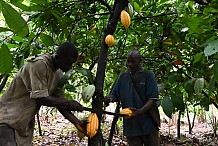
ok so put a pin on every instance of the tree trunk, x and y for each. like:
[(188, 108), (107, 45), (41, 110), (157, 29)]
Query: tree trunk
[(178, 124), (119, 5)]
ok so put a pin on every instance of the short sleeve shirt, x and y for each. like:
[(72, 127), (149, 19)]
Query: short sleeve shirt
[(125, 92), (36, 79)]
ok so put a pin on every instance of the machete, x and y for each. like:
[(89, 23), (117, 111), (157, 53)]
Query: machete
[(101, 111)]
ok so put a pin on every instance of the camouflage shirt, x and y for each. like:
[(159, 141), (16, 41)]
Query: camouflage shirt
[(36, 79)]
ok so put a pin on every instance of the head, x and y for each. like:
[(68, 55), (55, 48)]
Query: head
[(133, 60), (66, 55)]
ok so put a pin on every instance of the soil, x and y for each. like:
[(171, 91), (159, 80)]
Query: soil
[(57, 131)]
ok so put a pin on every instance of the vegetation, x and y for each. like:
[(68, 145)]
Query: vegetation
[(177, 39)]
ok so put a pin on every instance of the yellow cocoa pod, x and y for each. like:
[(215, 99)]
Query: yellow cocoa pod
[(125, 19), (92, 126), (126, 111), (109, 40)]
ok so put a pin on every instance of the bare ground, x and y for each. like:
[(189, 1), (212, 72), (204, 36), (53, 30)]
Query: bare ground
[(57, 131)]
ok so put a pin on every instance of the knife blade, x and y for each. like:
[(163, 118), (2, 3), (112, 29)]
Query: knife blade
[(101, 111)]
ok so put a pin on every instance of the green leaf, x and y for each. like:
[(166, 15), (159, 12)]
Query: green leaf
[(73, 40), (197, 57), (167, 106), (22, 6), (14, 20), (70, 88), (211, 85), (199, 86), (193, 24), (17, 38), (136, 6), (87, 73), (211, 48), (19, 62), (6, 60), (178, 102), (46, 39), (39, 1), (189, 86), (3, 29), (180, 8), (14, 1), (215, 70), (64, 79)]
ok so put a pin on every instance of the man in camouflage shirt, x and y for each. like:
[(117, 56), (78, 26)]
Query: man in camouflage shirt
[(35, 85)]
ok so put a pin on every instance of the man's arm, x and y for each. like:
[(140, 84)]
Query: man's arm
[(80, 125), (145, 108), (65, 107), (50, 101)]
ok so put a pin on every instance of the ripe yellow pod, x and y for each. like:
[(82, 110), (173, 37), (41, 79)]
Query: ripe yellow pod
[(126, 111), (92, 126), (109, 40), (125, 19)]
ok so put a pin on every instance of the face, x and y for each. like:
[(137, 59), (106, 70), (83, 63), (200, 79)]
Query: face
[(65, 64), (133, 64)]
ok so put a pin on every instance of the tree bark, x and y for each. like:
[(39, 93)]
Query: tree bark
[(119, 5)]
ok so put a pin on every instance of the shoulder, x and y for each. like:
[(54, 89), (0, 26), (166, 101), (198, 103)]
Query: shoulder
[(124, 74), (39, 61), (149, 74)]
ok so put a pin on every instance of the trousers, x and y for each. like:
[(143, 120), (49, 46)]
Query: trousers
[(7, 136), (151, 139)]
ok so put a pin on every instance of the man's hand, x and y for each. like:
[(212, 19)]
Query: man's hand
[(136, 112), (108, 99), (81, 126), (73, 105)]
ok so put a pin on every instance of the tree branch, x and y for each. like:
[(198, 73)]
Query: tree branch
[(4, 81)]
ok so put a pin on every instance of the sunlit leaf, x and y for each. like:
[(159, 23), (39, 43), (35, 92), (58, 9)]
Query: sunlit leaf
[(46, 39), (136, 6), (17, 38), (14, 20), (22, 6), (181, 7), (39, 1)]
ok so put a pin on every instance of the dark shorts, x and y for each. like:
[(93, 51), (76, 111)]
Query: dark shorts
[(145, 140), (7, 136)]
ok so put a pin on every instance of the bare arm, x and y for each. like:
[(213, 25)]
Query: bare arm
[(65, 107), (50, 101), (80, 125), (145, 108)]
